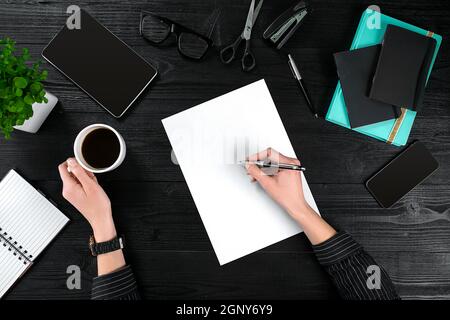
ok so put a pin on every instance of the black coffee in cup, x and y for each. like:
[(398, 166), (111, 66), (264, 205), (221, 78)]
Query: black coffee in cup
[(101, 148)]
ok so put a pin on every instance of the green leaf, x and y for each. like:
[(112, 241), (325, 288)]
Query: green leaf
[(26, 53), (19, 104), (20, 82), (44, 75), (28, 99), (36, 87), (11, 108), (19, 92)]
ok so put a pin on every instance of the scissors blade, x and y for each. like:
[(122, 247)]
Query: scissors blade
[(256, 12), (251, 18), (249, 23)]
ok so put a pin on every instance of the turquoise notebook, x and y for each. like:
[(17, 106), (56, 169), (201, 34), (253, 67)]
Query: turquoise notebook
[(367, 36)]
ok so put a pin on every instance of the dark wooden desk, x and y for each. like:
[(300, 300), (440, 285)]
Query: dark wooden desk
[(167, 243)]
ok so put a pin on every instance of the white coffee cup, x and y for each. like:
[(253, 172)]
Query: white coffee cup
[(77, 148)]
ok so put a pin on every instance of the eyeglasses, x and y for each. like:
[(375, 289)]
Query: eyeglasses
[(158, 29)]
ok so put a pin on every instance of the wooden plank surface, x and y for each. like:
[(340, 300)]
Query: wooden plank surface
[(167, 243)]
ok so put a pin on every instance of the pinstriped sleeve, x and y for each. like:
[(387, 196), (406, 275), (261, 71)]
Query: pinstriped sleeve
[(119, 285), (347, 264)]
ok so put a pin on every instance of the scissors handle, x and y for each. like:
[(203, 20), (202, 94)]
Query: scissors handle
[(248, 59), (228, 53)]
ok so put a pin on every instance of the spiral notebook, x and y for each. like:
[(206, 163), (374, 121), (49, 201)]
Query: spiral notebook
[(28, 223)]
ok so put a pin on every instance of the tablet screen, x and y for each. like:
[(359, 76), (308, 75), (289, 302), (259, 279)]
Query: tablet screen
[(100, 64)]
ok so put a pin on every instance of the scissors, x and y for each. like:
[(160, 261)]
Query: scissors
[(228, 53)]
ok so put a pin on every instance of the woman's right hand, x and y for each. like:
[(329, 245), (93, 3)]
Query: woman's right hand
[(81, 189), (285, 186)]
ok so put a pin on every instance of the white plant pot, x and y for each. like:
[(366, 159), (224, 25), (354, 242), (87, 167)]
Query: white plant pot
[(40, 113)]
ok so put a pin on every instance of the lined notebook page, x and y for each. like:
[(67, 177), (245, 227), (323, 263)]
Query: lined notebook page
[(11, 268), (27, 217)]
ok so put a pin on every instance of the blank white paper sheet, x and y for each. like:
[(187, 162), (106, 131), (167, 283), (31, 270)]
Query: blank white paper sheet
[(208, 141)]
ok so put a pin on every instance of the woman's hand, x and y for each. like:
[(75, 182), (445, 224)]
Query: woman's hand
[(81, 189), (285, 186)]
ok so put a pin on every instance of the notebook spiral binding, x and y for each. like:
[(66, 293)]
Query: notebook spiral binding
[(16, 249)]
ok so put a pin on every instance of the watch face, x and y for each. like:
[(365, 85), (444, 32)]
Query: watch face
[(92, 245)]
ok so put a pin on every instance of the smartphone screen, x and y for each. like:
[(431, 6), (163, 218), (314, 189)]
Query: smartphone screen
[(402, 174)]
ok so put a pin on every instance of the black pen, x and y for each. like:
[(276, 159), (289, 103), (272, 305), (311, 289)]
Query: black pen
[(299, 79), (264, 164)]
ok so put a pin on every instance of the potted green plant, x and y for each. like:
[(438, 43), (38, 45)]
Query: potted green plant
[(24, 104)]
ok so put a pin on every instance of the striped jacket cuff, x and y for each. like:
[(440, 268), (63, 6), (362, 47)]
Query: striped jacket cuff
[(117, 285), (335, 249)]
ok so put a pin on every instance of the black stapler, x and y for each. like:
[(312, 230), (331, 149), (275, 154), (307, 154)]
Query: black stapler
[(279, 31)]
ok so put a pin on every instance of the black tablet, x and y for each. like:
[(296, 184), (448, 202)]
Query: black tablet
[(402, 174), (100, 64)]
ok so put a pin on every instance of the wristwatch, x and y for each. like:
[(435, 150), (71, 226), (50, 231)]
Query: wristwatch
[(105, 247)]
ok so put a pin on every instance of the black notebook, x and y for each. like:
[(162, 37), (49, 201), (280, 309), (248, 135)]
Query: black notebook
[(355, 69), (28, 223), (402, 69)]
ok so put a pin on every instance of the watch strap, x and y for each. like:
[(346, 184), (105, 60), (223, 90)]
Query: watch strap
[(105, 247)]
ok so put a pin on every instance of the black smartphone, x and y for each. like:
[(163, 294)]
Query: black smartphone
[(402, 174)]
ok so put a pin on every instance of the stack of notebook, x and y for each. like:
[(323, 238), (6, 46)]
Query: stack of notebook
[(383, 78)]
